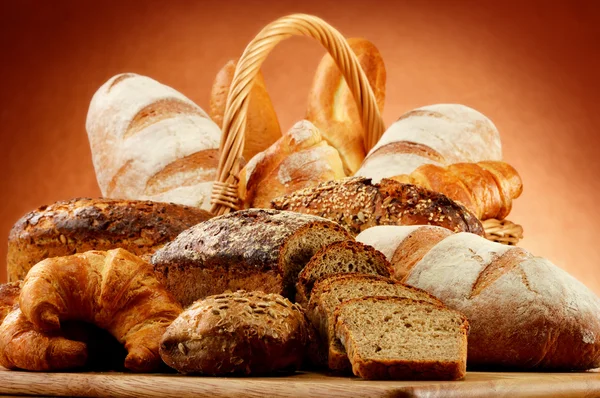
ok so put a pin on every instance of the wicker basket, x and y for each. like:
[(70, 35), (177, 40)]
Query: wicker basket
[(225, 194)]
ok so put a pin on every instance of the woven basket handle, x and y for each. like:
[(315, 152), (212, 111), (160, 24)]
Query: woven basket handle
[(225, 195)]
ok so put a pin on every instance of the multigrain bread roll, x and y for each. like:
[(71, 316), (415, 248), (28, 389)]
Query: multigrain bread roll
[(338, 257), (299, 159), (358, 204), (82, 224), (525, 312), (113, 290), (254, 249), (440, 134), (331, 290), (244, 333), (487, 188), (149, 142), (262, 126), (332, 108)]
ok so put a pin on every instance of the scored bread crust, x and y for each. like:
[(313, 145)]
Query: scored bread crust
[(312, 271), (322, 317), (401, 369), (358, 204), (247, 333), (254, 249), (78, 225)]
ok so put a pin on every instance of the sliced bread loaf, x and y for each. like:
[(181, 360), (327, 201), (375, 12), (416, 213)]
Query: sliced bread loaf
[(330, 291), (251, 249), (401, 338), (340, 257)]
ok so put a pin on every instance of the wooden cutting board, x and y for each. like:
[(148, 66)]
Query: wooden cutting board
[(476, 384)]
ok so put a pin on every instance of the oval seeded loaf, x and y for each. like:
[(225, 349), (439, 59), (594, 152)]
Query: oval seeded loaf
[(254, 249), (82, 224), (237, 333), (358, 204)]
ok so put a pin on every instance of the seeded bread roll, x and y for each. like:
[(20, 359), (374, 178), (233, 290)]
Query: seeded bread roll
[(338, 257), (401, 338), (83, 224), (254, 249), (248, 333), (331, 290), (358, 204)]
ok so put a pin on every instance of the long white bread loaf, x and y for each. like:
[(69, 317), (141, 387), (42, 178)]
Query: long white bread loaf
[(149, 142), (440, 134), (524, 311)]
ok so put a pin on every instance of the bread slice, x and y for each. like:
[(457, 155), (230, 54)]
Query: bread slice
[(330, 291), (401, 338), (340, 257)]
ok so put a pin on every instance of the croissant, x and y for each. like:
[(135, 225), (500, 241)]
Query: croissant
[(22, 347), (114, 290), (485, 188)]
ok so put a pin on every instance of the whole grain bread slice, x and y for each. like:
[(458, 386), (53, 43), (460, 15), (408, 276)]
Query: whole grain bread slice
[(332, 290), (345, 256), (401, 338)]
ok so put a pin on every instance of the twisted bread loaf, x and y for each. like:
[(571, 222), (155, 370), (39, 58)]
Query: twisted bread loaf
[(485, 188), (332, 108), (114, 290), (150, 142), (262, 126), (525, 312), (440, 134), (299, 159)]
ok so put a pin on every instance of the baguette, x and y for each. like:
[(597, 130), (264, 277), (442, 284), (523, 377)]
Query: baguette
[(332, 107)]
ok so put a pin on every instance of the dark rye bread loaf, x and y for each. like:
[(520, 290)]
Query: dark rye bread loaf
[(248, 333), (401, 338), (358, 204), (82, 224), (332, 290), (340, 257), (254, 249)]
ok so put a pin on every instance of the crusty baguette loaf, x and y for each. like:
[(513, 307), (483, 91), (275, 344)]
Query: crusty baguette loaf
[(113, 290), (247, 333), (485, 188), (254, 249), (332, 108), (525, 312), (83, 224), (358, 204), (299, 159), (331, 290), (339, 257), (401, 338), (262, 126), (150, 142), (440, 134)]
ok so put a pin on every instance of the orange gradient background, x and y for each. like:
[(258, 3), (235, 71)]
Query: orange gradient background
[(531, 66)]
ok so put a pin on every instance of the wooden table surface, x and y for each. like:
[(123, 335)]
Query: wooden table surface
[(476, 384)]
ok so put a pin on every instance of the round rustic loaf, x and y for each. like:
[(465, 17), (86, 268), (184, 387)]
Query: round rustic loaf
[(237, 333), (82, 224)]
